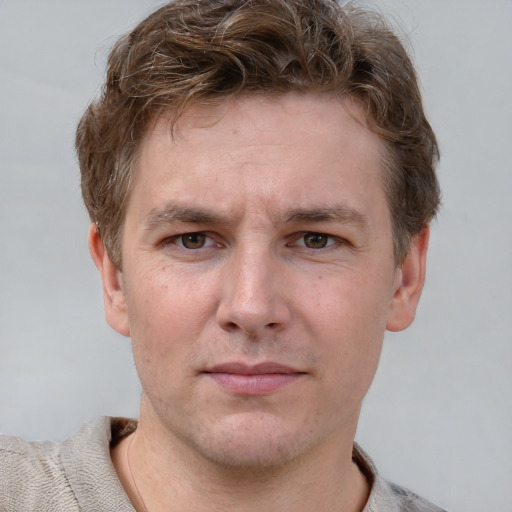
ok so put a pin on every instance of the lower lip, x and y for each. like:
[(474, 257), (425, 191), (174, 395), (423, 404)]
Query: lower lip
[(253, 385)]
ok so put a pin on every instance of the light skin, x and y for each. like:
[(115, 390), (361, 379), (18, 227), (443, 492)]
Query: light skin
[(258, 279)]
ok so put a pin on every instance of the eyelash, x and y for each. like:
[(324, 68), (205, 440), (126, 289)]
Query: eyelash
[(178, 240), (330, 240)]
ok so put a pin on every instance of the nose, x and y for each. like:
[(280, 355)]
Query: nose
[(253, 298)]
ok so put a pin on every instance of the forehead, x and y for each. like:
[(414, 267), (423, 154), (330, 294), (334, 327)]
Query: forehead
[(291, 148)]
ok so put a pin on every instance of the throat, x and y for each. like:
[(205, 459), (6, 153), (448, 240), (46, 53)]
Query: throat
[(155, 487)]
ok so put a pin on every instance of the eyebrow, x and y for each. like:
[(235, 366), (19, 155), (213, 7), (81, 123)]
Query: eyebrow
[(194, 215), (342, 214), (183, 214)]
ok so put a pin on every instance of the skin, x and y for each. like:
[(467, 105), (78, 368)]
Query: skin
[(290, 262)]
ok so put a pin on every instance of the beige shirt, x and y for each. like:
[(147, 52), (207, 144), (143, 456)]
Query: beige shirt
[(77, 475)]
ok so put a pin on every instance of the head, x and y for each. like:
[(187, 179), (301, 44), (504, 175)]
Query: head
[(260, 176), (206, 52)]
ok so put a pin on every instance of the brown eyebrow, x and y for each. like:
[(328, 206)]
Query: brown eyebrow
[(194, 215), (342, 214), (183, 214)]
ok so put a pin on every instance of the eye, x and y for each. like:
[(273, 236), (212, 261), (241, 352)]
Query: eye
[(193, 240), (315, 240)]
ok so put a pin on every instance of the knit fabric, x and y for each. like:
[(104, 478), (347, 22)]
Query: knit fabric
[(78, 475)]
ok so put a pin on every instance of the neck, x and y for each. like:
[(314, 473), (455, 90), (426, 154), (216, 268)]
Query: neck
[(164, 476)]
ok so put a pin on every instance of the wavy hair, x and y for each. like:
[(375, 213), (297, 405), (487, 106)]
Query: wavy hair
[(208, 51)]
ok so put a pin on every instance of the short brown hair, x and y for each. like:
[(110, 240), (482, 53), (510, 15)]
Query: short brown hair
[(207, 51)]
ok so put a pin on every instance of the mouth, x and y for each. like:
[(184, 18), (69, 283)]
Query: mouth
[(253, 380)]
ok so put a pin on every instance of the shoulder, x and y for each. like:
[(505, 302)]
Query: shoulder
[(74, 475), (19, 457), (408, 501), (29, 472), (386, 496)]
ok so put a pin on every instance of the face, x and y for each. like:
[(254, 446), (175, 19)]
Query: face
[(258, 277)]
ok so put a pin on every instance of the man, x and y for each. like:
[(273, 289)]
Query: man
[(260, 180)]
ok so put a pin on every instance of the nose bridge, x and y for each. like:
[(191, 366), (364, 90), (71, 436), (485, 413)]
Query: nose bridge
[(252, 298), (252, 278)]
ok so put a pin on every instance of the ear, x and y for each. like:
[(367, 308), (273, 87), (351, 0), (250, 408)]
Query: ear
[(114, 299), (409, 282)]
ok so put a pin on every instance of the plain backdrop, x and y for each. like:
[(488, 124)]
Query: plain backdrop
[(438, 418)]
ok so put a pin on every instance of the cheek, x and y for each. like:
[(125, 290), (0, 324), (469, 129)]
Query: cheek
[(167, 316), (348, 322), (164, 298), (350, 304)]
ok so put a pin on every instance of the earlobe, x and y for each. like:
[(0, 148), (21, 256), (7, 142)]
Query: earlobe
[(113, 291), (409, 284)]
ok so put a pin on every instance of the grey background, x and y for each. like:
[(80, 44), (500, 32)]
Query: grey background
[(439, 416)]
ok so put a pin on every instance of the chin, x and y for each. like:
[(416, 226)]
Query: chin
[(252, 444)]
